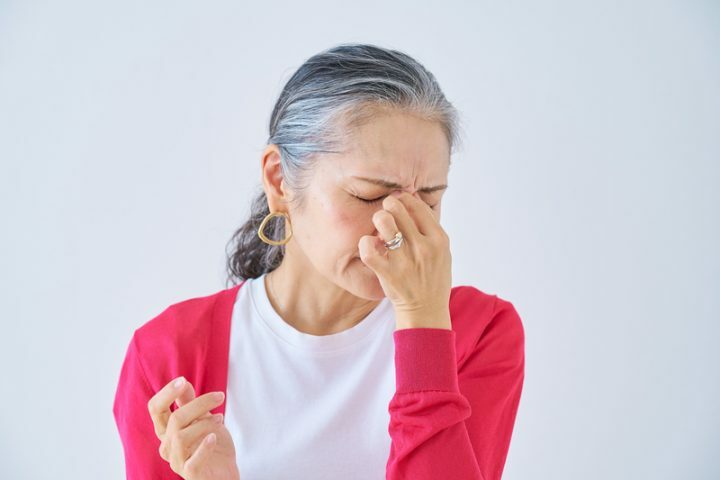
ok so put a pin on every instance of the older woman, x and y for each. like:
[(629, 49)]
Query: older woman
[(342, 351)]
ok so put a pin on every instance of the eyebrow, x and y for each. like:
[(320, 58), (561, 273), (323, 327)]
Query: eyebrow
[(388, 184)]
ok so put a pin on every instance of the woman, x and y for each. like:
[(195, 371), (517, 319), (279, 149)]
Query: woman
[(341, 351)]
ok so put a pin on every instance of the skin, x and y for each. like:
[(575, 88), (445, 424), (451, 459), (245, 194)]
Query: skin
[(323, 286), (185, 434), (336, 268)]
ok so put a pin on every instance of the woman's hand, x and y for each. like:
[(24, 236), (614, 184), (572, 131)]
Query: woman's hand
[(195, 443), (417, 276)]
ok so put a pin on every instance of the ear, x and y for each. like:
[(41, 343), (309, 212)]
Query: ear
[(272, 178)]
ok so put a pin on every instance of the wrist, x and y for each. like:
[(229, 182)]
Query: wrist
[(428, 319)]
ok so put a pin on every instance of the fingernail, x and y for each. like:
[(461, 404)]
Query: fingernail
[(179, 382), (396, 193), (218, 418), (218, 396)]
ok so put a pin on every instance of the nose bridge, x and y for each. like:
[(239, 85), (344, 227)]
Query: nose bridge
[(411, 192)]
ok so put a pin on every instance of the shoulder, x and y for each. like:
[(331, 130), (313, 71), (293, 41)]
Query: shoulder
[(483, 320), (179, 338), (178, 321)]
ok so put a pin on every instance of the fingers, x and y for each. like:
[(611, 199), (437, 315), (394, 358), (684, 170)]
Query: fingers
[(193, 410), (386, 225), (182, 443), (422, 215), (193, 433), (197, 461), (159, 404), (404, 222), (187, 394), (373, 253), (407, 214), (393, 218)]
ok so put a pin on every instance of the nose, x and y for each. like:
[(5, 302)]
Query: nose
[(416, 194)]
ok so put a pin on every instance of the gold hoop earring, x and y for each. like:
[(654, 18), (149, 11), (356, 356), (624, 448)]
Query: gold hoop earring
[(262, 227)]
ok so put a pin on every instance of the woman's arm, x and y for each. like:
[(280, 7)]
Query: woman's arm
[(450, 423), (130, 408)]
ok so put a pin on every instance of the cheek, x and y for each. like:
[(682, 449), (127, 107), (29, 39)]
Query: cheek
[(346, 224), (341, 224), (341, 214)]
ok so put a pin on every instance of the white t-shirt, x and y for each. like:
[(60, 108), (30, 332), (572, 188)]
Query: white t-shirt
[(308, 407)]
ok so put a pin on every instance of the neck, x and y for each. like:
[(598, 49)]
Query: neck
[(311, 303)]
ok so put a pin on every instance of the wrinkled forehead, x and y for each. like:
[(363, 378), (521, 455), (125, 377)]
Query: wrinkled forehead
[(407, 151)]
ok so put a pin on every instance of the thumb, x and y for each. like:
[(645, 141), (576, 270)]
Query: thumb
[(373, 253)]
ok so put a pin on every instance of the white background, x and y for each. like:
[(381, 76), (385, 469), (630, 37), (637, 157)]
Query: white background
[(586, 193)]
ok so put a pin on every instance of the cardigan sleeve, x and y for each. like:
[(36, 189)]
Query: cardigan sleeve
[(455, 423), (140, 444)]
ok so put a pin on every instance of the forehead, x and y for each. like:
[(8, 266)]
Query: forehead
[(398, 148)]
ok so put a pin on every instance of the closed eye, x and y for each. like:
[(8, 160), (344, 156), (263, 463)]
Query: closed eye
[(366, 200), (377, 200)]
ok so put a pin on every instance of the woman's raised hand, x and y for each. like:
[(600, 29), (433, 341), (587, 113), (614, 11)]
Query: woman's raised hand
[(417, 276), (195, 443)]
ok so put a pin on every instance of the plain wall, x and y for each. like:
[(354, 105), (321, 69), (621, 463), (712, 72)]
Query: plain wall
[(586, 193)]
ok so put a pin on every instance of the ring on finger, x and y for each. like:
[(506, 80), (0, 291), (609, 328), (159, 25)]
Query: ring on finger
[(395, 242)]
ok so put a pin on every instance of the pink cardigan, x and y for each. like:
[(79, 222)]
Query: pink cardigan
[(452, 416)]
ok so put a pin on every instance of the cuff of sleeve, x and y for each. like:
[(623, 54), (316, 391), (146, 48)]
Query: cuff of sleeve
[(425, 359)]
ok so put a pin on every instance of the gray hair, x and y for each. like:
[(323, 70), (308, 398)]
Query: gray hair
[(332, 93)]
